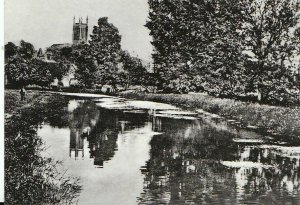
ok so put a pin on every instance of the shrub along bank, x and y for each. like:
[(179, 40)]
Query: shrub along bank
[(283, 122), (31, 178)]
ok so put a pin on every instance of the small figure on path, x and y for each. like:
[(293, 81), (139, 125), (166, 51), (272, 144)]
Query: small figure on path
[(22, 93)]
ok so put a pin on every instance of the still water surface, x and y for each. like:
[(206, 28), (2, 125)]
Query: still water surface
[(132, 152)]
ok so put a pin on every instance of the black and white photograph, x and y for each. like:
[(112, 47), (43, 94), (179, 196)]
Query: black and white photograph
[(150, 102)]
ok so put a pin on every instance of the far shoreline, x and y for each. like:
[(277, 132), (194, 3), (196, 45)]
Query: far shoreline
[(272, 121)]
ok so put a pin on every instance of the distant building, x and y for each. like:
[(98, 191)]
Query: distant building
[(80, 35), (39, 54), (80, 31), (53, 47)]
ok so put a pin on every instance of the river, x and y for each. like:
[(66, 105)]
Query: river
[(133, 152)]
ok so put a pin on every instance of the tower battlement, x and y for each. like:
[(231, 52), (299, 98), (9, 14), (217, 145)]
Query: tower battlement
[(80, 31)]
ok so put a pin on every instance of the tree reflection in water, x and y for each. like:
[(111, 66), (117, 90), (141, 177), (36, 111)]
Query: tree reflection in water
[(103, 138), (190, 161), (31, 178), (185, 168), (101, 128)]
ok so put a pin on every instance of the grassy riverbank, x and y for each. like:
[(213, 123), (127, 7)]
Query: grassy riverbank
[(13, 100), (30, 177), (269, 120)]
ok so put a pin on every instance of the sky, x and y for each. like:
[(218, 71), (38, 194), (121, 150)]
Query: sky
[(45, 22)]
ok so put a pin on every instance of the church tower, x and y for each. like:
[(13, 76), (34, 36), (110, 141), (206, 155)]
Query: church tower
[(80, 31)]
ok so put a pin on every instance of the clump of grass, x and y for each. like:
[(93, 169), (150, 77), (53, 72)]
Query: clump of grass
[(284, 121)]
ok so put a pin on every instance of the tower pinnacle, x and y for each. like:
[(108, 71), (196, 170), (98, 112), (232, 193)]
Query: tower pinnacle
[(80, 31)]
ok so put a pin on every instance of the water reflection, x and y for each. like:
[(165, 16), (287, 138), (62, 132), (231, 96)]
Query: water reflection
[(193, 163), (76, 143), (153, 159), (83, 116), (30, 177)]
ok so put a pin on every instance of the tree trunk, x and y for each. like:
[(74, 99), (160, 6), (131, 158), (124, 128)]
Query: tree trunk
[(259, 94), (260, 90)]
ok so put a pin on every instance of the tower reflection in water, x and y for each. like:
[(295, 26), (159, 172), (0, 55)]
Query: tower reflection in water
[(99, 128), (82, 119), (192, 161), (76, 143)]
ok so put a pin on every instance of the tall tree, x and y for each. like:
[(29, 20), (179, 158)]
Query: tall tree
[(134, 70), (26, 49), (195, 38), (86, 65), (226, 47), (105, 44), (17, 68), (18, 71), (10, 50), (97, 61), (41, 72), (268, 27)]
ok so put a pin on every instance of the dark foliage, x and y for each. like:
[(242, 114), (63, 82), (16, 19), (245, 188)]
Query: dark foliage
[(29, 177), (226, 48), (102, 61), (10, 50), (24, 69)]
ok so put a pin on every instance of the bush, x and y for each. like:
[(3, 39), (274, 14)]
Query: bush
[(180, 85), (31, 178)]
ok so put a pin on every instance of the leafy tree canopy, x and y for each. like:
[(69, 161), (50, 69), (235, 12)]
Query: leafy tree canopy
[(26, 49), (231, 46), (23, 68), (10, 50)]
